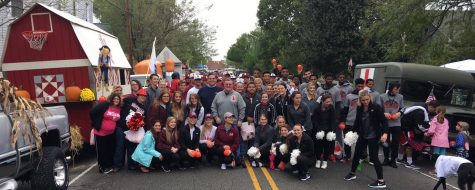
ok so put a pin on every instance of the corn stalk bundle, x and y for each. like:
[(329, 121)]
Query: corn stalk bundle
[(24, 111)]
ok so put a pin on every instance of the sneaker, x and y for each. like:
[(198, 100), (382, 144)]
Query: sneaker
[(386, 162), (324, 165), (304, 177), (253, 164), (223, 166), (318, 164), (260, 164), (393, 164), (165, 169), (350, 176), (377, 184), (370, 163), (116, 170), (400, 161), (106, 171), (411, 166)]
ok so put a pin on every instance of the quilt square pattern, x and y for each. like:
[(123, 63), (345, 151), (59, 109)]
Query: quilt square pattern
[(49, 88)]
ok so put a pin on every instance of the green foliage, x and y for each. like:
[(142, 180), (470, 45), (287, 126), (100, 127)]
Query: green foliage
[(173, 23)]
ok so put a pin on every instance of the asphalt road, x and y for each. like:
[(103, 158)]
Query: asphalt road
[(84, 175)]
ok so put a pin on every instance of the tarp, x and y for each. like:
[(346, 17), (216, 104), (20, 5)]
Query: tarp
[(465, 65)]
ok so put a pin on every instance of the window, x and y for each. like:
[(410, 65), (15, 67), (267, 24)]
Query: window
[(445, 94)]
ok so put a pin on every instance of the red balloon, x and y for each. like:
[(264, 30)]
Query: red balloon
[(274, 61), (279, 67), (342, 126), (299, 68), (102, 99), (227, 152)]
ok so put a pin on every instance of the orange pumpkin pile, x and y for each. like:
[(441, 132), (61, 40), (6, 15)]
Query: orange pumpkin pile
[(73, 93)]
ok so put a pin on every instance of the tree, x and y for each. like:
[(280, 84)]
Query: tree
[(173, 23)]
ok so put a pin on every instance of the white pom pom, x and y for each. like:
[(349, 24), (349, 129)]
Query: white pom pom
[(283, 149), (131, 113), (273, 149), (350, 138), (331, 136), (257, 156), (320, 135), (252, 152), (293, 156)]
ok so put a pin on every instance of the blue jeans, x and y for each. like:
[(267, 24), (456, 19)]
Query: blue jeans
[(119, 154), (244, 146), (105, 73)]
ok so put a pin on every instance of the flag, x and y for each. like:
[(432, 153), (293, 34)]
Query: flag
[(153, 59), (350, 64), (431, 96)]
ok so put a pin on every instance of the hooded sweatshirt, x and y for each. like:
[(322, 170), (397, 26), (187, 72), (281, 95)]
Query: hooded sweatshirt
[(392, 104), (228, 102), (345, 89), (349, 108)]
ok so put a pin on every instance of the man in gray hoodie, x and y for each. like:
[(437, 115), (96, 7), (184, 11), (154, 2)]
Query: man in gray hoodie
[(344, 86), (228, 100), (392, 103)]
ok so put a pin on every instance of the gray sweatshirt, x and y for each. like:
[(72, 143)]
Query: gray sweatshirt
[(345, 89), (350, 103), (334, 91), (392, 105), (228, 102)]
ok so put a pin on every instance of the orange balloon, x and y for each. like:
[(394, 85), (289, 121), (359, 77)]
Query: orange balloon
[(299, 68), (143, 67), (197, 154), (227, 152), (274, 61), (279, 67), (337, 148), (169, 65), (341, 125)]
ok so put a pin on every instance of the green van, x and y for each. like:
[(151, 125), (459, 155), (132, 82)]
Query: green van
[(453, 88)]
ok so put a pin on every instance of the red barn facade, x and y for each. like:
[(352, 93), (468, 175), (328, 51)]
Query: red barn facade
[(69, 56)]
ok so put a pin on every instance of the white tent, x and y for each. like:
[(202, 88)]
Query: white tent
[(465, 65)]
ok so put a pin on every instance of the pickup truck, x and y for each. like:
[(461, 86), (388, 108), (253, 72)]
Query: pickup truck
[(23, 162)]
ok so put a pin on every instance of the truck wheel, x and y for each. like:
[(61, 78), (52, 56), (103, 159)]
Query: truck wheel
[(51, 171)]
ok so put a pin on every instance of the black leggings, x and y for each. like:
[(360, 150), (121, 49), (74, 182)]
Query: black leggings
[(465, 176), (393, 140), (169, 157), (105, 147), (222, 158), (207, 152), (361, 145), (325, 147), (186, 160), (303, 165)]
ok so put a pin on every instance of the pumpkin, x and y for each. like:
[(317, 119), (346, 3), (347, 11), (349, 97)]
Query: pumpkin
[(274, 61), (299, 68), (279, 67), (169, 65), (158, 67), (73, 93), (102, 99), (23, 93)]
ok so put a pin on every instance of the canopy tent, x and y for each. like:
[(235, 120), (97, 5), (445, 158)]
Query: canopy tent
[(465, 65)]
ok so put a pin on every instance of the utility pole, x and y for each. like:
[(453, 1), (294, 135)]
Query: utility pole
[(128, 24)]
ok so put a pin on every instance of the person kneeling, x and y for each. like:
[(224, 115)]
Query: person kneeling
[(208, 131), (263, 142), (227, 142), (302, 153), (190, 141), (168, 144), (145, 153)]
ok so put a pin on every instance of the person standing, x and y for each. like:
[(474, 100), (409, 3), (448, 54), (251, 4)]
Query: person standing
[(323, 119), (265, 107), (152, 91), (197, 86), (281, 100), (251, 98), (311, 98), (178, 110), (298, 113), (333, 90), (195, 106), (135, 86), (372, 91), (160, 110), (392, 104), (372, 127), (104, 117), (208, 92), (228, 100), (344, 86)]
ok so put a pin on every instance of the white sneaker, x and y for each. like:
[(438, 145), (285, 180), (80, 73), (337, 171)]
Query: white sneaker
[(324, 165), (260, 164), (317, 165), (223, 166), (253, 164)]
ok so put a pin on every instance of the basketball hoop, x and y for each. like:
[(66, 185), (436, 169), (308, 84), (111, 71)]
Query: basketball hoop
[(36, 39)]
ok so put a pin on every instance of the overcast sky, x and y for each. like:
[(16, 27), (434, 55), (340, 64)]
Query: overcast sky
[(230, 18)]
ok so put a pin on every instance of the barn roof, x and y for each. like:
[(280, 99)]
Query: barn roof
[(166, 54)]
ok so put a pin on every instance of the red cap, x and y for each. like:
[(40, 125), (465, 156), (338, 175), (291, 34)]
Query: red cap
[(208, 116), (245, 75), (192, 114), (142, 92)]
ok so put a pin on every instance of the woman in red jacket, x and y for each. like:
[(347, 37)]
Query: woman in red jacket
[(227, 139), (168, 144)]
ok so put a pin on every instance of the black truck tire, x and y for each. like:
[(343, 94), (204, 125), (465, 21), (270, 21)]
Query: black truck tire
[(49, 170)]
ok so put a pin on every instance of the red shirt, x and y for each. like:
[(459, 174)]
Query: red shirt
[(230, 138), (111, 116)]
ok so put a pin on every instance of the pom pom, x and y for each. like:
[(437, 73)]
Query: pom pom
[(293, 156), (331, 136), (283, 149), (273, 150), (320, 135), (252, 152), (350, 138)]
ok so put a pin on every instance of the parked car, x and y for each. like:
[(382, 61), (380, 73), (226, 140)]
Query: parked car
[(23, 162)]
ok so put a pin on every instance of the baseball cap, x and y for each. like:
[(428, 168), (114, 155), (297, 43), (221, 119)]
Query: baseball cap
[(245, 75), (228, 114), (142, 92), (197, 77), (272, 75), (208, 116), (192, 114), (233, 77)]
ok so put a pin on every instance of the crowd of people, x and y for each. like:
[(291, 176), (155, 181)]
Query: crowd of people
[(272, 119)]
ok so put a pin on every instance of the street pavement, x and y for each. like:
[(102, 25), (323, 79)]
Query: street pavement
[(85, 175)]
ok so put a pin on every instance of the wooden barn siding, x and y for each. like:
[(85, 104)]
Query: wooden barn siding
[(78, 75), (61, 44)]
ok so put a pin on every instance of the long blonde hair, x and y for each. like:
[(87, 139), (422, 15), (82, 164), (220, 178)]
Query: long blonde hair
[(440, 110), (177, 108), (169, 130), (310, 96), (204, 129)]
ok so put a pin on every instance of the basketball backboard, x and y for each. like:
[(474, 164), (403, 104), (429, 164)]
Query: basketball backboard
[(41, 22)]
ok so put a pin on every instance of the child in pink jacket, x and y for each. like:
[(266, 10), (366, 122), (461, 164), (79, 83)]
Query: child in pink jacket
[(439, 130)]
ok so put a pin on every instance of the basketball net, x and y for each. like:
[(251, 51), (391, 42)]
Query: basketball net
[(36, 39)]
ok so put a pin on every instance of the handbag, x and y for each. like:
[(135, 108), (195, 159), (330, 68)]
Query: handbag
[(92, 138), (247, 131)]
